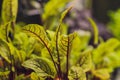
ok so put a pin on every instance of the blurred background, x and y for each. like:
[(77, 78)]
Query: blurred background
[(106, 14)]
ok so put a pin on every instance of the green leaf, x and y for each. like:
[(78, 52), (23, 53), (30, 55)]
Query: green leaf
[(20, 77), (53, 8), (43, 66), (77, 73), (85, 61), (65, 41), (95, 29), (9, 10), (112, 61), (34, 76), (64, 49), (25, 43), (15, 53), (84, 39), (37, 31), (103, 74), (5, 50), (113, 25), (6, 73), (64, 14), (79, 44), (50, 34)]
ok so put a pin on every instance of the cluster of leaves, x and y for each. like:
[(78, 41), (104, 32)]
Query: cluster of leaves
[(59, 53), (47, 55), (32, 53), (105, 56)]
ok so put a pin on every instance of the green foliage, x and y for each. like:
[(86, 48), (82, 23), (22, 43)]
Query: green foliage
[(113, 25), (46, 54), (39, 32), (63, 49), (59, 49), (41, 66), (106, 58)]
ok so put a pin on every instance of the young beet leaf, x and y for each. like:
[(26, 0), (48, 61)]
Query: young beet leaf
[(65, 46), (42, 66), (85, 61), (38, 32), (57, 38)]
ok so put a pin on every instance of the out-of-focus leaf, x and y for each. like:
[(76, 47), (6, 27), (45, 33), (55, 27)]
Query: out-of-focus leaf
[(52, 11), (84, 38), (50, 34), (4, 73), (95, 29), (35, 76), (5, 50), (42, 66), (14, 52), (105, 49), (79, 44), (113, 25), (64, 14), (53, 8), (103, 74), (20, 77), (9, 10), (77, 73)]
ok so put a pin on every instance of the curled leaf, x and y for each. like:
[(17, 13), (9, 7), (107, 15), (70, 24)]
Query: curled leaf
[(95, 29)]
